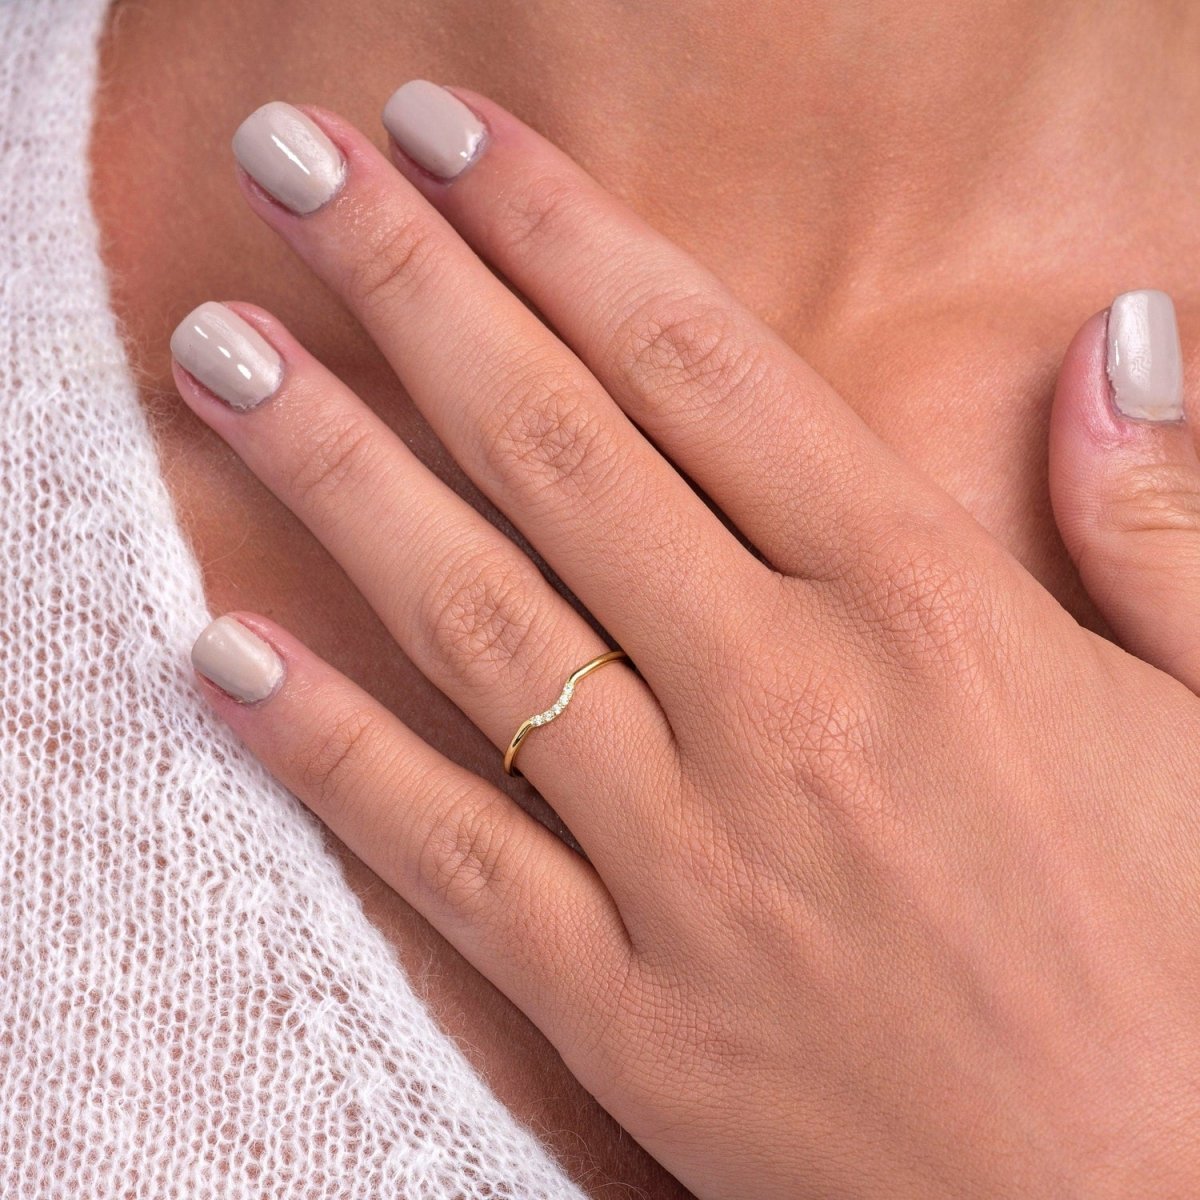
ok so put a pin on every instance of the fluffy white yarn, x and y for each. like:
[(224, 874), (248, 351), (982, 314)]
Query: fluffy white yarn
[(192, 1002)]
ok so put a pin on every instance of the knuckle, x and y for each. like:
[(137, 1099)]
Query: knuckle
[(826, 735), (480, 613), (929, 607), (340, 451), (927, 604), (689, 349), (1153, 498), (819, 728), (534, 211), (393, 263), (467, 856), (344, 752), (544, 437)]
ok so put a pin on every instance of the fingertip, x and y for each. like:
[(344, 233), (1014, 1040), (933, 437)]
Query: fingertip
[(1125, 479), (435, 135), (296, 162), (228, 352), (237, 654), (1094, 445)]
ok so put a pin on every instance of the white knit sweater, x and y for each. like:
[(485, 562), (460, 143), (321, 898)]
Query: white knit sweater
[(192, 1002)]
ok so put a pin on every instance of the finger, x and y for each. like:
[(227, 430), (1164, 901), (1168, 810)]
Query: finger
[(527, 911), (467, 606), (713, 387), (1125, 480), (519, 412)]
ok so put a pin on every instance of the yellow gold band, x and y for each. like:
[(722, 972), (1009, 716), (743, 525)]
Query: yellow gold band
[(556, 709)]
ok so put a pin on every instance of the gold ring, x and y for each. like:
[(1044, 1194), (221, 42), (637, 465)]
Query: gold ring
[(556, 709)]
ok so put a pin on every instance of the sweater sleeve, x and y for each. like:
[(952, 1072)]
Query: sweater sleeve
[(192, 1001)]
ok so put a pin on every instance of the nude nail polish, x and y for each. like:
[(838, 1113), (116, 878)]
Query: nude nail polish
[(228, 355), (434, 128), (1145, 363), (288, 155), (237, 661)]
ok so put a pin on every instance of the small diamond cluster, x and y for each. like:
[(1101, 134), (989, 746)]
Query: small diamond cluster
[(556, 708)]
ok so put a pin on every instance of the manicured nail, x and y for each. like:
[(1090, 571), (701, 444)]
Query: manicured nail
[(434, 128), (237, 661), (290, 157), (228, 355), (1145, 364)]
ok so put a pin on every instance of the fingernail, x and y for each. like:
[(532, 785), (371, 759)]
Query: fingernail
[(228, 355), (434, 128), (237, 661), (1145, 364), (286, 154)]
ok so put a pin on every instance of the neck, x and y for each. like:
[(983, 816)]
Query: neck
[(889, 144)]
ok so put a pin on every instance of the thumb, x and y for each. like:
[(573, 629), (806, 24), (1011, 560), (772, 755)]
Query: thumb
[(1125, 480)]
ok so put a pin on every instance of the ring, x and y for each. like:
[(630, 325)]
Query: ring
[(530, 724)]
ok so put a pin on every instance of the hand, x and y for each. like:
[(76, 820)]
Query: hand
[(890, 872)]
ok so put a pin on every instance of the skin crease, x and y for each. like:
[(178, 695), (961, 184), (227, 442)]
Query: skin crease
[(925, 203)]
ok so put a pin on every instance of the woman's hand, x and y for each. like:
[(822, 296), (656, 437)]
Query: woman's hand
[(891, 867)]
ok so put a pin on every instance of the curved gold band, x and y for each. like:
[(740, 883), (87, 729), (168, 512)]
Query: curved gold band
[(530, 724)]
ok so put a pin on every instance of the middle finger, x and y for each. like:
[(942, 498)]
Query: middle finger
[(523, 416)]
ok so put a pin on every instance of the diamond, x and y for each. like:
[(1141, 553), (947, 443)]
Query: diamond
[(557, 708)]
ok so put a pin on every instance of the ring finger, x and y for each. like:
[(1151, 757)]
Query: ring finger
[(472, 611)]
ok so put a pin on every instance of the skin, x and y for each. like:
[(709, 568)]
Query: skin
[(876, 776), (883, 296)]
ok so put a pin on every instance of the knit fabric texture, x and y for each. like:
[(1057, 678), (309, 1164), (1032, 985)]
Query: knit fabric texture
[(192, 1001)]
